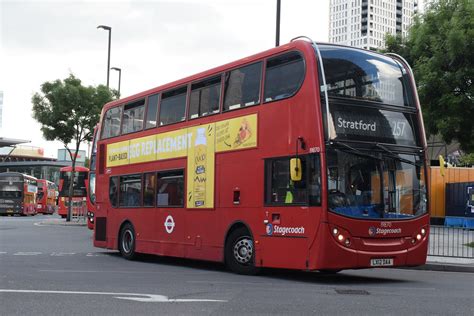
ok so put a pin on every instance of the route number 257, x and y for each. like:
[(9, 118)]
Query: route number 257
[(398, 128)]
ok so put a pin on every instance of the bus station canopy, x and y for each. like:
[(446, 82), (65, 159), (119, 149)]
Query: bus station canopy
[(5, 142)]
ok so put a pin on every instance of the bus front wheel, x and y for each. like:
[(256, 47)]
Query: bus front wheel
[(240, 252), (127, 242)]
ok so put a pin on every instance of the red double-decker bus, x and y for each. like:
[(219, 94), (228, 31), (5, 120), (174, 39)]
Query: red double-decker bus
[(17, 194), (91, 186), (79, 191), (306, 156), (46, 197)]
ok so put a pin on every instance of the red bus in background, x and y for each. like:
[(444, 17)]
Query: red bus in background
[(79, 191), (306, 156), (46, 197), (91, 186), (17, 194)]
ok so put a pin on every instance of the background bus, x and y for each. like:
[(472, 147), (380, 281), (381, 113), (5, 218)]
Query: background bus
[(17, 194), (306, 156), (79, 191), (46, 197)]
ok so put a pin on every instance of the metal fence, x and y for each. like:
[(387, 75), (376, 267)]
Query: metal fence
[(79, 213), (451, 242)]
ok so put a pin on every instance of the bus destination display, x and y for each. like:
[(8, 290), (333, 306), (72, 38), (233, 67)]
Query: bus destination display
[(372, 125)]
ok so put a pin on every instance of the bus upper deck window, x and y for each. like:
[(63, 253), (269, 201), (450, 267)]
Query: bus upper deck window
[(133, 114), (284, 76), (173, 106), (151, 111), (353, 73), (242, 87), (111, 123), (205, 97)]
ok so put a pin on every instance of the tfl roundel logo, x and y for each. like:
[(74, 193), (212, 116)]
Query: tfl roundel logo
[(269, 229), (372, 231)]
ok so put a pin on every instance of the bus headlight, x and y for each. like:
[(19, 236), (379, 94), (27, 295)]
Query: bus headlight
[(419, 235), (342, 236)]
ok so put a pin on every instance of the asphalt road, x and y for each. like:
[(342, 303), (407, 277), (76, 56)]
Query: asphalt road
[(55, 270)]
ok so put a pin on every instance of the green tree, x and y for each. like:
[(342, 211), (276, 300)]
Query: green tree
[(467, 160), (440, 48), (68, 112)]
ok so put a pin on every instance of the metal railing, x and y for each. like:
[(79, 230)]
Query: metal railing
[(451, 242), (79, 213)]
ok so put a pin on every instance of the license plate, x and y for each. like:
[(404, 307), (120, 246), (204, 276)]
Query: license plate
[(9, 211), (381, 262)]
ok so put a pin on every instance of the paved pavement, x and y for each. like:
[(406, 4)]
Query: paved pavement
[(448, 264), (433, 263)]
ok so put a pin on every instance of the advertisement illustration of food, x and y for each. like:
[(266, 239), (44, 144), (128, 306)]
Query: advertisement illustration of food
[(244, 133)]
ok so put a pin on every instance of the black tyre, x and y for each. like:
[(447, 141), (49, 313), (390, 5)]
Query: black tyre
[(127, 242), (240, 252)]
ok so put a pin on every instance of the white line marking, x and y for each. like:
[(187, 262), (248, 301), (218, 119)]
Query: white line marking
[(26, 253), (62, 254), (152, 298), (2, 252)]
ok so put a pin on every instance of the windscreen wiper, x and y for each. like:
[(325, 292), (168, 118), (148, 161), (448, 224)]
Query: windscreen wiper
[(393, 155), (354, 150)]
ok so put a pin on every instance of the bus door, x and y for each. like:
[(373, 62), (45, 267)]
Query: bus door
[(291, 211), (170, 202)]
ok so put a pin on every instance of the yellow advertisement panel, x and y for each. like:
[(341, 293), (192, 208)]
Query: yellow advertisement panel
[(237, 133), (142, 149), (200, 173), (173, 144), (232, 134), (117, 154)]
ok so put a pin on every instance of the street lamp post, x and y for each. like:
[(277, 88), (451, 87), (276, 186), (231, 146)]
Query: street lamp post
[(107, 28), (277, 39), (120, 77)]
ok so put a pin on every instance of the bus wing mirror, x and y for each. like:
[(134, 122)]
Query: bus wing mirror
[(295, 169)]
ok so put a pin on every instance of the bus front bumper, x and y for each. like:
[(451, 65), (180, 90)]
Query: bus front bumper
[(361, 253)]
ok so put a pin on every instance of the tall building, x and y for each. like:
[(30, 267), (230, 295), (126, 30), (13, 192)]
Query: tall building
[(364, 23)]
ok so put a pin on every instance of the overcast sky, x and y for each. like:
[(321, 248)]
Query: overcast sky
[(154, 42)]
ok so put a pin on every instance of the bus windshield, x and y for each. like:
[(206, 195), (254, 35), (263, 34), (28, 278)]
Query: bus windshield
[(368, 185), (79, 187), (363, 75)]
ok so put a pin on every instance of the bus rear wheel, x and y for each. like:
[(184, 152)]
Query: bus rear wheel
[(240, 252), (127, 242)]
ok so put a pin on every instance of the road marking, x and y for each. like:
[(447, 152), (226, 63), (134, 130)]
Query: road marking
[(91, 254), (62, 254), (31, 253), (149, 298), (2, 252)]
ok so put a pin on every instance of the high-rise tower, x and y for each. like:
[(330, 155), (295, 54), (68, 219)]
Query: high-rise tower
[(364, 23)]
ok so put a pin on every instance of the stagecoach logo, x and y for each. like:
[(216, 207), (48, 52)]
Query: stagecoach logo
[(282, 231), (373, 231), (169, 224), (269, 229)]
